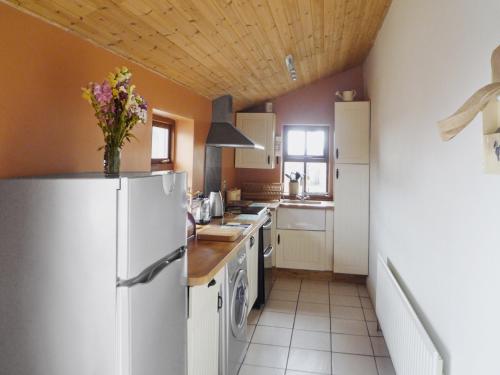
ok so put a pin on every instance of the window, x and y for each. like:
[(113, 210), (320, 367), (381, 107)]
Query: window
[(305, 150), (161, 143)]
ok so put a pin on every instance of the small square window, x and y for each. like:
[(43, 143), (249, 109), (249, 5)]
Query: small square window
[(161, 144)]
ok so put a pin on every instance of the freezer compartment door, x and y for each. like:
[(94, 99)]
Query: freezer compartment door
[(153, 322), (152, 220)]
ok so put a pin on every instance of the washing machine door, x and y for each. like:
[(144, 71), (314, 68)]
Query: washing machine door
[(239, 304)]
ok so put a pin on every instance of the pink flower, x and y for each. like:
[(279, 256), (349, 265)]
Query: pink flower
[(103, 93)]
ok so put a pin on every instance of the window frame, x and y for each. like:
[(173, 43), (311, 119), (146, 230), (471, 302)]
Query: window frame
[(306, 158), (162, 164)]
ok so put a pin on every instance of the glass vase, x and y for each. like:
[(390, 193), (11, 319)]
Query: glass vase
[(112, 161)]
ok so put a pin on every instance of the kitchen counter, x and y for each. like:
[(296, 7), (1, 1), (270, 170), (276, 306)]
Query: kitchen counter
[(329, 205), (273, 205), (206, 258)]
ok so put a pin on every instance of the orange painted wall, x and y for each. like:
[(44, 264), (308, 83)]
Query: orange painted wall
[(45, 126)]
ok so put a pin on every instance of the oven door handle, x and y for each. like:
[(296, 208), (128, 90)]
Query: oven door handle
[(268, 252), (267, 224)]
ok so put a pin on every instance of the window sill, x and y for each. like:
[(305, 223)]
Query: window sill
[(162, 167)]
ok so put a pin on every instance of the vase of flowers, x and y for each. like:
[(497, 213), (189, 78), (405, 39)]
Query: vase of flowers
[(118, 108)]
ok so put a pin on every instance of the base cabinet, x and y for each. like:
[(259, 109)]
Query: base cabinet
[(203, 327), (301, 249)]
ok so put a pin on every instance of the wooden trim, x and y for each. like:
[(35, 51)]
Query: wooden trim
[(165, 164), (318, 275), (305, 158)]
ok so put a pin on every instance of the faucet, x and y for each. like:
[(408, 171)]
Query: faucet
[(304, 195)]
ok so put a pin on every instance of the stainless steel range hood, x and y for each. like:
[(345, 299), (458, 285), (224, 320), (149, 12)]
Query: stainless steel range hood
[(222, 133)]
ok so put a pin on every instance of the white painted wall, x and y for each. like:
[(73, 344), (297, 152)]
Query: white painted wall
[(434, 212)]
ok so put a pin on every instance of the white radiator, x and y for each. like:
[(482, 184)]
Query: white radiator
[(411, 348)]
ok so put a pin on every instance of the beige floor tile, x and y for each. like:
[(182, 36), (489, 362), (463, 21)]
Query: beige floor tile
[(349, 364), (286, 307), (385, 366), (372, 329), (287, 284), (312, 323), (309, 361), (366, 303), (275, 319), (249, 332), (258, 370), (308, 308), (343, 290), (349, 327), (351, 344), (266, 355), (253, 317), (284, 295), (311, 340), (351, 301), (291, 372), (379, 347), (314, 297), (344, 312), (314, 286), (370, 315), (363, 292), (272, 336)]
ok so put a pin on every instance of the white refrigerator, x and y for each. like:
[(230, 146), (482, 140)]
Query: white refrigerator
[(93, 275)]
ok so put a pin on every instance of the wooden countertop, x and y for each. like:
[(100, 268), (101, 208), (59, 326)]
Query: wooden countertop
[(206, 258)]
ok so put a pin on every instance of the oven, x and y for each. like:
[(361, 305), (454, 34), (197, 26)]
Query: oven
[(265, 262)]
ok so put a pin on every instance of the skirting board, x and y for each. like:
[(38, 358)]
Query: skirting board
[(318, 275)]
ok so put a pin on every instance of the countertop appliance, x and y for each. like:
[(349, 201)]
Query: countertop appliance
[(236, 311), (216, 204), (265, 263), (200, 208), (93, 274)]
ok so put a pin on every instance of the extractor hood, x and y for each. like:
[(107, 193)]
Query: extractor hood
[(224, 134)]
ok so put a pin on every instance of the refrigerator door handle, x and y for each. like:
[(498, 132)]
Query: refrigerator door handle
[(153, 270)]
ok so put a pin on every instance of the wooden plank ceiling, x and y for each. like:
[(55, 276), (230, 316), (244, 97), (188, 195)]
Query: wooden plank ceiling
[(216, 47)]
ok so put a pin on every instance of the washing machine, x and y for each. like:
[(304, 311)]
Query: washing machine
[(234, 345)]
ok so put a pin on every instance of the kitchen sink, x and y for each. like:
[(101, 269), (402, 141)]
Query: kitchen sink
[(298, 201)]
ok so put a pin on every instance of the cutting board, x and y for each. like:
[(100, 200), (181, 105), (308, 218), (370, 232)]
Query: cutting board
[(219, 233)]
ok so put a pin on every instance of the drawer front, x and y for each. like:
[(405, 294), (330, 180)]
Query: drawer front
[(301, 219)]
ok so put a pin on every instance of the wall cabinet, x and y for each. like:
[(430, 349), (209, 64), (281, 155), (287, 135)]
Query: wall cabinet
[(352, 132), (260, 127), (203, 327), (252, 246)]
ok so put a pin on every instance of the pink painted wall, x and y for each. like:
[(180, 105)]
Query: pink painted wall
[(313, 105)]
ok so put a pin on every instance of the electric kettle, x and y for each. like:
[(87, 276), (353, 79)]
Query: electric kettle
[(216, 204)]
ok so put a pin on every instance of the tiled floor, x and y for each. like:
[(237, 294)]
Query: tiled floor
[(316, 327)]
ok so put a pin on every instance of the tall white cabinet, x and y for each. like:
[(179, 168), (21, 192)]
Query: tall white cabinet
[(259, 127), (351, 187)]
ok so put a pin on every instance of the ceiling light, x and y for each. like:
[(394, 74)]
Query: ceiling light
[(291, 67)]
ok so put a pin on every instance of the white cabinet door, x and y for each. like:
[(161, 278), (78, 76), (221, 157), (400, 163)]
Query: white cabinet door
[(253, 268), (259, 127), (301, 249), (351, 219), (203, 327), (352, 132)]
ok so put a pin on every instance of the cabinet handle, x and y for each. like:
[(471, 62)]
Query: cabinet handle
[(337, 152), (337, 173), (211, 283), (268, 159), (279, 239), (252, 241), (219, 302)]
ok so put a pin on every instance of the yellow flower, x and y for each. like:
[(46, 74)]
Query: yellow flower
[(115, 93), (86, 95)]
